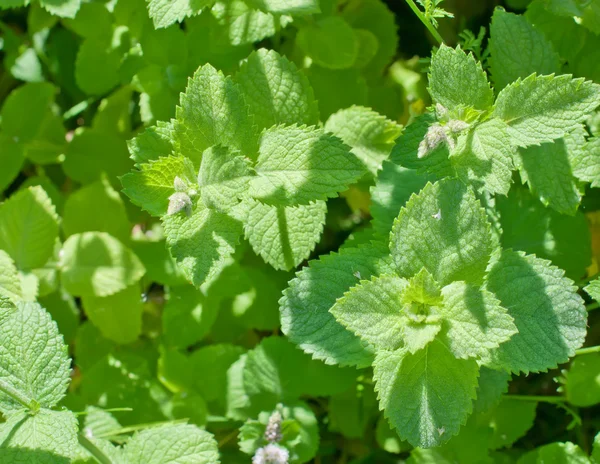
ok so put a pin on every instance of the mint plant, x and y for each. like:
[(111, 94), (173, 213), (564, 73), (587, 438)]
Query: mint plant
[(267, 231)]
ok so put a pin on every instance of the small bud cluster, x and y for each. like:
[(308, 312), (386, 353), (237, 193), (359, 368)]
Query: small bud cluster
[(438, 134), (273, 430), (272, 453), (180, 200)]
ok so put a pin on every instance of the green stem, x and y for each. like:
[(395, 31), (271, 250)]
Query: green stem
[(540, 399), (594, 305), (19, 397), (96, 452), (588, 350), (425, 21)]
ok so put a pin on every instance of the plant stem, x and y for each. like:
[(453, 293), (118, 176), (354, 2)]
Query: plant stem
[(541, 399), (96, 452), (425, 21), (588, 350), (19, 397)]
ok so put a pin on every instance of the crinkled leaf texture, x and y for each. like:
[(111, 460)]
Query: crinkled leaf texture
[(166, 12), (33, 356), (10, 285), (549, 314)]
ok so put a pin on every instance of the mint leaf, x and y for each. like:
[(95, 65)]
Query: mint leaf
[(118, 316), (172, 443), (97, 66), (586, 161), (201, 243), (224, 178), (151, 186), (330, 42), (370, 135), (541, 109), (582, 385), (305, 316), (292, 7), (155, 142), (213, 112), (297, 165), (62, 8), (457, 80), (167, 12), (556, 452), (276, 91), (474, 321), (593, 289), (427, 395), (445, 230), (241, 24), (492, 385), (510, 32), (283, 235), (28, 228), (33, 357), (546, 309), (97, 264), (10, 285), (12, 158), (52, 431), (484, 157), (373, 310)]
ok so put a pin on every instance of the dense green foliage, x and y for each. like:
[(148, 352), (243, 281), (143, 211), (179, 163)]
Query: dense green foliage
[(266, 231)]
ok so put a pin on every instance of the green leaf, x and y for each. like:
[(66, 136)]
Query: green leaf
[(10, 285), (12, 158), (457, 80), (530, 227), (98, 422), (373, 310), (97, 264), (593, 289), (52, 431), (240, 24), (583, 380), (33, 357), (585, 162), (28, 228), (511, 32), (224, 178), (276, 91), (330, 42), (201, 243), (587, 12), (548, 312), (509, 421), (305, 316), (283, 236), (213, 112), (492, 385), (370, 135), (596, 451), (118, 316), (556, 453), (172, 443), (97, 66), (62, 8), (155, 142), (291, 7), (445, 230), (484, 157), (474, 320), (167, 12), (96, 207), (151, 186), (427, 395), (297, 165), (541, 109)]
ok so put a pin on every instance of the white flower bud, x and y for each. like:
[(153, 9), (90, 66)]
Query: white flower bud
[(434, 137), (179, 185), (441, 110), (273, 430), (456, 126), (271, 454), (179, 202)]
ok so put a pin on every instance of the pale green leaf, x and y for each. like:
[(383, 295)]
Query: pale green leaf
[(97, 264), (181, 443), (510, 32), (166, 12), (154, 143), (118, 316), (457, 80), (427, 395), (33, 356), (548, 312), (373, 310), (151, 186), (583, 380), (224, 178), (213, 112), (370, 134), (540, 109), (28, 228), (585, 162), (291, 7), (445, 230), (305, 316), (52, 431), (297, 165), (593, 289), (201, 243), (61, 8), (556, 453), (474, 321), (284, 236), (596, 451), (330, 42), (484, 157), (276, 91), (241, 24), (10, 286)]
